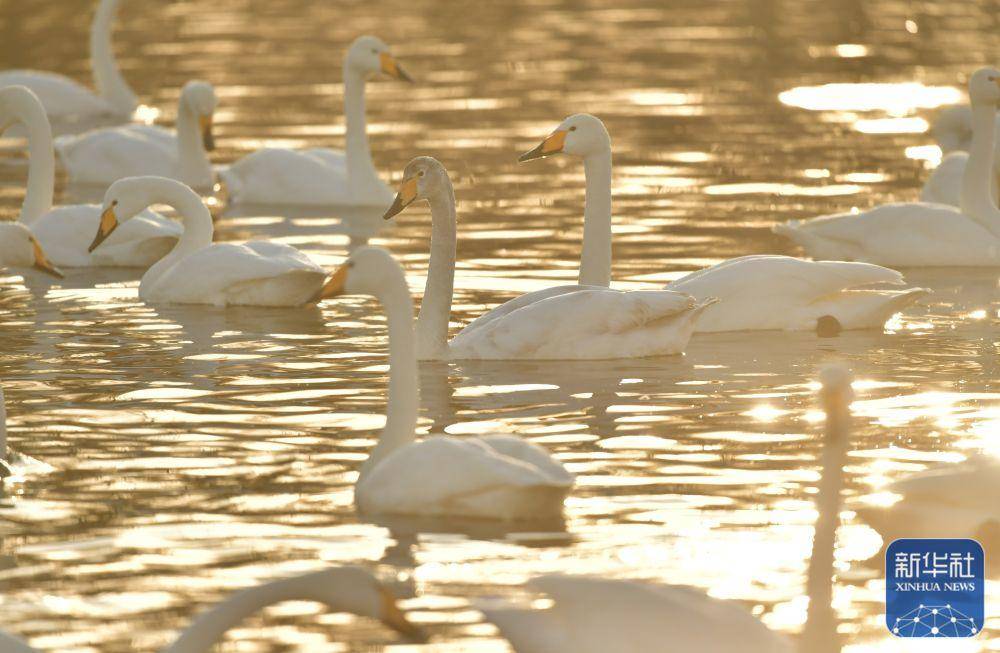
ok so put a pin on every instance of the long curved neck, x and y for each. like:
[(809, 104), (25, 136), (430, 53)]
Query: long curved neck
[(435, 307), (3, 426), (107, 78), (210, 627), (41, 163), (197, 220), (977, 181), (820, 632), (360, 168), (403, 397), (192, 159), (595, 261)]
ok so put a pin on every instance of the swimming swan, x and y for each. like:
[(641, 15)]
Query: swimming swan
[(67, 100), (953, 132), (569, 322), (323, 176), (63, 231), (103, 156), (598, 615), (342, 589), (754, 292), (198, 271), (916, 233), (492, 477)]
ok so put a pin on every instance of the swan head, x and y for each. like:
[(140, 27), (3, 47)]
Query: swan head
[(20, 248), (369, 55), (367, 271), (199, 98), (581, 134), (124, 199), (18, 104), (423, 177), (984, 86)]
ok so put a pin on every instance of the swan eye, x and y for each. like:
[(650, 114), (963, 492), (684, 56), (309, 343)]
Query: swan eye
[(420, 174), (114, 202), (573, 128)]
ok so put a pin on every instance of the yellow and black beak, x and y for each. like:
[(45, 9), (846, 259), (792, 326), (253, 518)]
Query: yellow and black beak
[(42, 262), (207, 137), (333, 287), (394, 618), (392, 68), (407, 193), (551, 145), (109, 222)]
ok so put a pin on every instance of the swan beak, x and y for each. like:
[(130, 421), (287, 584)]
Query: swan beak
[(407, 193), (392, 68), (207, 137), (333, 287), (109, 222), (551, 145), (42, 262), (394, 618)]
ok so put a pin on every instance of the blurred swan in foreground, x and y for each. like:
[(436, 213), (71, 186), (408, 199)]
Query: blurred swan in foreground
[(102, 156), (491, 477), (754, 292), (20, 249), (568, 322), (953, 132), (916, 233), (321, 175), (68, 100), (596, 615), (954, 501), (342, 589), (198, 271), (63, 231), (11, 462)]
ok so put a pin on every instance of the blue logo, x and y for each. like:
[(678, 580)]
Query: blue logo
[(935, 588)]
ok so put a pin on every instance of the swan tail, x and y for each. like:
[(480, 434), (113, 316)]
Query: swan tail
[(870, 309)]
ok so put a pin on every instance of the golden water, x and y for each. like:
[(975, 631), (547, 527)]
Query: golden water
[(199, 450)]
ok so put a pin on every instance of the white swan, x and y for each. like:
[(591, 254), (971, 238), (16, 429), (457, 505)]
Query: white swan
[(13, 463), (953, 132), (596, 615), (568, 322), (63, 231), (342, 589), (921, 234), (20, 249), (493, 477), (103, 156), (955, 501), (322, 176), (67, 100), (198, 271), (754, 292)]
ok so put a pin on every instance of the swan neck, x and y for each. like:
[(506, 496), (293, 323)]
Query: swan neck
[(194, 166), (41, 165), (194, 215), (976, 198), (403, 397), (595, 260), (3, 426), (435, 307), (209, 628), (820, 632), (360, 168), (107, 77)]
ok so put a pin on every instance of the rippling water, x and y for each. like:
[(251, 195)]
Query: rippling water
[(199, 449)]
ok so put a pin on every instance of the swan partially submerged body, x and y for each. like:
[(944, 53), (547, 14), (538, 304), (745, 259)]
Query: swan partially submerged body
[(323, 176), (199, 271), (64, 231), (498, 477), (753, 292)]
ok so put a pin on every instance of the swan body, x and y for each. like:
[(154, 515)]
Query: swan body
[(198, 271), (20, 249), (747, 293), (597, 615), (64, 231), (944, 185), (917, 233), (66, 100), (497, 477), (568, 322), (342, 589), (102, 156), (322, 176)]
